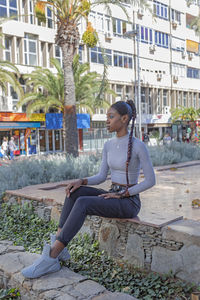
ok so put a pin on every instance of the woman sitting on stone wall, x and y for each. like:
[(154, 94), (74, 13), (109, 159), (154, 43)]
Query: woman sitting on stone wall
[(124, 155)]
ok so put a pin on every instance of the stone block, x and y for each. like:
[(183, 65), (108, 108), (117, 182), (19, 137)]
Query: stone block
[(55, 214), (89, 288), (184, 231), (55, 280), (50, 295), (165, 260), (134, 250), (10, 263), (65, 297), (191, 261), (114, 296), (185, 263), (108, 236)]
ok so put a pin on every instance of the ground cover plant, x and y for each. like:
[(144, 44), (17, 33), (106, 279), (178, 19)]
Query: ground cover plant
[(23, 227), (9, 294)]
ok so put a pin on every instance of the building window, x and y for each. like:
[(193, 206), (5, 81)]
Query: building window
[(30, 49), (150, 102), (194, 100), (164, 97), (176, 16), (8, 9), (13, 94), (58, 54), (119, 27), (193, 73), (8, 43), (80, 52), (178, 70), (146, 35), (161, 39), (160, 10), (128, 92), (108, 24), (100, 22), (49, 18), (123, 60), (178, 99), (185, 99), (159, 102), (119, 91), (199, 100), (177, 44), (18, 50), (31, 12), (96, 55)]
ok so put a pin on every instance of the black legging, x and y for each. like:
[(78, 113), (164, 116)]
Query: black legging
[(85, 201)]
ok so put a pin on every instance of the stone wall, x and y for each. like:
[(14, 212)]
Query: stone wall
[(174, 248)]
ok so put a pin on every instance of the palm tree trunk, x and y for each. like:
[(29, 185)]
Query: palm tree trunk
[(69, 113)]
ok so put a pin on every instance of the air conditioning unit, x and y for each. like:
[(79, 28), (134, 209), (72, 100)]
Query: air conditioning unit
[(152, 48), (108, 36), (183, 54), (174, 24), (140, 12), (175, 78), (190, 55), (166, 110), (159, 76)]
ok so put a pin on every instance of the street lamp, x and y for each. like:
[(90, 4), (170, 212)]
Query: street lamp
[(135, 34)]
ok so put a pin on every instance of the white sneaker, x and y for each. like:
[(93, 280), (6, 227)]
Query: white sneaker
[(64, 254), (44, 265)]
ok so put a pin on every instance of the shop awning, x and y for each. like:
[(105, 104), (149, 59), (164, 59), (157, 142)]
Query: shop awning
[(19, 125), (55, 120)]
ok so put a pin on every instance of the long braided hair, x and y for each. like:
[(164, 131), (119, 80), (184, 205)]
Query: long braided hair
[(127, 108)]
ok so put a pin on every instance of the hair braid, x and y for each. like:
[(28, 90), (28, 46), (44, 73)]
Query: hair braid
[(130, 140)]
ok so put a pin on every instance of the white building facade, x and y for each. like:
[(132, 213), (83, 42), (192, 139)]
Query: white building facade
[(169, 54)]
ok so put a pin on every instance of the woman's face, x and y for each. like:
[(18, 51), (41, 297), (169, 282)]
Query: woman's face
[(115, 122)]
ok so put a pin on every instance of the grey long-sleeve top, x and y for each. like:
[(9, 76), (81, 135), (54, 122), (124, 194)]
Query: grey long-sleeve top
[(114, 157)]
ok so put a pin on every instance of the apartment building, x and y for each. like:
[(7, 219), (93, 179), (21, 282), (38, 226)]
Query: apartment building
[(169, 54)]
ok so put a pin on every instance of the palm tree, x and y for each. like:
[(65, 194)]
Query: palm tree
[(48, 89), (189, 114), (68, 14), (9, 74)]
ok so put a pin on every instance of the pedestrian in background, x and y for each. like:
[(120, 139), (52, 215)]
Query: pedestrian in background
[(12, 147), (4, 148)]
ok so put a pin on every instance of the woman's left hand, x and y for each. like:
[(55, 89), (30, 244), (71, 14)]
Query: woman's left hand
[(110, 195)]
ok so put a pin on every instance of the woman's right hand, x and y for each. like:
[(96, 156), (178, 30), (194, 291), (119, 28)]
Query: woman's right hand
[(72, 186)]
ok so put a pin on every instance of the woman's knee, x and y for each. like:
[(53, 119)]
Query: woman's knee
[(77, 193)]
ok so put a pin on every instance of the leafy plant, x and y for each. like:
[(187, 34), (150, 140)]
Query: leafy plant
[(23, 227), (86, 258), (9, 294)]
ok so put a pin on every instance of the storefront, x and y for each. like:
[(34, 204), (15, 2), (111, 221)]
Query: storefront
[(38, 133), (24, 130)]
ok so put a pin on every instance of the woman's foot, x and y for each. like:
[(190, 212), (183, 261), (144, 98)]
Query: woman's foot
[(44, 265), (64, 254)]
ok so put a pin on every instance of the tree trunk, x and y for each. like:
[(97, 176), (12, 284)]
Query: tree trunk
[(69, 113)]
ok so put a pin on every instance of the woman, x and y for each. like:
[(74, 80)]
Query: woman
[(123, 155)]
